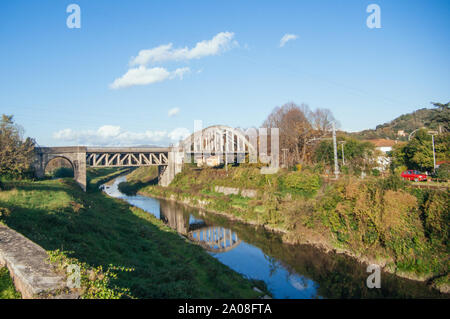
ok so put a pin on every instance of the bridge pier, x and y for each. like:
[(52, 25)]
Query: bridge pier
[(175, 165)]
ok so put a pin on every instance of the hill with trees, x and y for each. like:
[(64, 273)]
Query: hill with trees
[(437, 118)]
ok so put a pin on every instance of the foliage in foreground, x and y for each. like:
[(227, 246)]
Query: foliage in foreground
[(104, 234), (7, 290)]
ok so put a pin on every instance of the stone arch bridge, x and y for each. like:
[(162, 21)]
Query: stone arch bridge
[(214, 140)]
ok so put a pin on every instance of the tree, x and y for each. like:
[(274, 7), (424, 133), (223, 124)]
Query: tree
[(300, 129), (442, 116), (16, 154), (292, 121), (418, 152), (322, 120), (357, 153), (441, 106)]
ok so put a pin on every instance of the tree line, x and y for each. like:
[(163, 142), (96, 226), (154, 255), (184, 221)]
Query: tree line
[(305, 138)]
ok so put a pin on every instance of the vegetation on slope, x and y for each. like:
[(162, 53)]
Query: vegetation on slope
[(382, 219), (428, 118), (122, 250), (137, 179)]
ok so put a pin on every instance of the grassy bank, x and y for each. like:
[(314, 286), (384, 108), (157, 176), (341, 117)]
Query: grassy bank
[(382, 220), (138, 179), (7, 290), (122, 250)]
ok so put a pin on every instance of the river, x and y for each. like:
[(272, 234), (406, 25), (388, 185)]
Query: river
[(289, 271)]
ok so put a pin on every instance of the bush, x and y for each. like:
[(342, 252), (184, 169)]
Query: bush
[(437, 216), (399, 170), (443, 171), (375, 172), (62, 172), (392, 182), (307, 183), (4, 212)]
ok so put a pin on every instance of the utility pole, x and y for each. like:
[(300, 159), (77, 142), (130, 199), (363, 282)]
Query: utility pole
[(336, 165)]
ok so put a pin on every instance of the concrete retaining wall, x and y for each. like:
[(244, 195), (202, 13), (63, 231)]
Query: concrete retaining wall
[(30, 271), (235, 191)]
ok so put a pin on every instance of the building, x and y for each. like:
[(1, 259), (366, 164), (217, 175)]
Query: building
[(384, 146)]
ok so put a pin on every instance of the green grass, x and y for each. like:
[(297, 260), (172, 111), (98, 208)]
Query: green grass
[(101, 233), (139, 178), (7, 290)]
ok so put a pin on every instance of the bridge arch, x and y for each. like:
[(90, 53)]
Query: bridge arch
[(220, 139), (75, 155), (56, 158)]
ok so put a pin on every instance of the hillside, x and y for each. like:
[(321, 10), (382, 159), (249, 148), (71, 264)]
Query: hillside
[(429, 118)]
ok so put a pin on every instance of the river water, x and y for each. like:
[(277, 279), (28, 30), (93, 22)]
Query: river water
[(289, 271)]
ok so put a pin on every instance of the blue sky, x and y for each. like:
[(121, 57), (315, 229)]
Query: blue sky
[(58, 81)]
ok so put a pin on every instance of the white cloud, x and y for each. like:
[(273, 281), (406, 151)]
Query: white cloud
[(287, 37), (142, 76), (180, 72), (179, 133), (173, 112), (109, 135), (219, 43)]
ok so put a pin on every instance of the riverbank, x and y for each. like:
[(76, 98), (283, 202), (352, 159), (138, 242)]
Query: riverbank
[(375, 221), (122, 251)]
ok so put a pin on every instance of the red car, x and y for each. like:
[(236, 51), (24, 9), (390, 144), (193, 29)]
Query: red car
[(414, 176)]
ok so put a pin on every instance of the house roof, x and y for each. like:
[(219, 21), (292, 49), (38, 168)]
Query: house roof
[(381, 142)]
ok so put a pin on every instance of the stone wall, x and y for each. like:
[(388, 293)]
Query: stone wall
[(30, 271), (235, 191)]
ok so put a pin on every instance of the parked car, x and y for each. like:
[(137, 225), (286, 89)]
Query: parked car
[(414, 176)]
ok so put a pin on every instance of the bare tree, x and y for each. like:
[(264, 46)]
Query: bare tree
[(294, 125), (298, 127), (322, 119)]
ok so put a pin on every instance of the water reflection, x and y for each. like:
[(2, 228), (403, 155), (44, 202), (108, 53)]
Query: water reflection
[(215, 238), (289, 271)]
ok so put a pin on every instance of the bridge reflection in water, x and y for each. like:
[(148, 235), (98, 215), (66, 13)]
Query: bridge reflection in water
[(215, 239)]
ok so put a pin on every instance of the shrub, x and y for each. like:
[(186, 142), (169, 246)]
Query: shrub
[(375, 172), (4, 212), (62, 172), (399, 170), (437, 216), (306, 183), (392, 182), (443, 171)]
